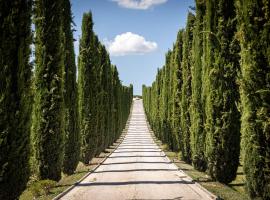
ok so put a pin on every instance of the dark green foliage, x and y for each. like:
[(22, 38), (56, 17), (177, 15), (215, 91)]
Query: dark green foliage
[(157, 94), (167, 101), (104, 104), (87, 89), (171, 68), (72, 139), (116, 100), (199, 95), (209, 95), (176, 89), (197, 134), (165, 126), (162, 99), (192, 104), (98, 97), (222, 123), (120, 103), (48, 126), (186, 90), (254, 36), (15, 99), (105, 101), (110, 111)]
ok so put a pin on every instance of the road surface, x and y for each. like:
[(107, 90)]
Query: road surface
[(137, 169)]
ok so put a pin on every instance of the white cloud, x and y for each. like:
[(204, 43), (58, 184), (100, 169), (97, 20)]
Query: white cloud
[(139, 4), (129, 44)]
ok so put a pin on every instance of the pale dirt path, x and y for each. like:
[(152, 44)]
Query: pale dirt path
[(138, 169)]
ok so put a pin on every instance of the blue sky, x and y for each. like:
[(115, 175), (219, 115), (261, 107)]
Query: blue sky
[(137, 33)]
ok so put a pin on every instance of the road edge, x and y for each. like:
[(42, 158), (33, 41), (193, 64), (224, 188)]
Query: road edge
[(121, 138), (211, 195)]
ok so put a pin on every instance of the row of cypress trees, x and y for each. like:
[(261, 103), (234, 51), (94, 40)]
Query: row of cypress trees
[(214, 91), (101, 95), (48, 121)]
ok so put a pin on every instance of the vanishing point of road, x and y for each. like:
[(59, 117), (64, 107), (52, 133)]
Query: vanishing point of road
[(137, 169)]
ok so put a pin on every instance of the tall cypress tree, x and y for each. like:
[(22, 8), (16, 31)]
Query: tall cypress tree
[(116, 109), (160, 80), (72, 140), (102, 98), (15, 100), (177, 87), (154, 105), (158, 94), (171, 138), (48, 108), (254, 35), (186, 89), (110, 114), (165, 99), (105, 66), (98, 97), (197, 133), (86, 85), (222, 116)]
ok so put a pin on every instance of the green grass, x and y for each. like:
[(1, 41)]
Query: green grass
[(62, 185), (233, 191), (34, 187)]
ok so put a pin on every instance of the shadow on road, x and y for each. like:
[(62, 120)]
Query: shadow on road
[(134, 183), (137, 156), (134, 170), (136, 151), (137, 162)]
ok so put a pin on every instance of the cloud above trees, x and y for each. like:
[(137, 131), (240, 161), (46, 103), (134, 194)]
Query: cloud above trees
[(139, 4), (130, 44)]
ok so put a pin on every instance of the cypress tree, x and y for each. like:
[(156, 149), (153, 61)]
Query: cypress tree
[(171, 138), (165, 99), (119, 106), (186, 89), (177, 86), (197, 133), (254, 36), (105, 67), (160, 88), (120, 111), (48, 108), (116, 95), (162, 99), (156, 126), (154, 105), (146, 100), (15, 100), (98, 97), (222, 117), (103, 100), (86, 87), (72, 140), (125, 104), (110, 115), (160, 103)]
